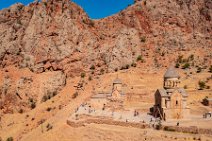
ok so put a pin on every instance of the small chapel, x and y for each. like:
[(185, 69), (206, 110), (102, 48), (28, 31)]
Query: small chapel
[(171, 100)]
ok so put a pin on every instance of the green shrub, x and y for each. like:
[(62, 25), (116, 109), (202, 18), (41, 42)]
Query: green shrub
[(210, 69), (127, 66), (10, 139), (201, 85), (102, 71), (191, 57), (143, 39), (139, 58), (49, 109), (49, 126), (33, 105), (185, 87), (177, 65), (186, 65), (199, 69), (89, 78), (44, 98), (75, 95), (180, 59), (82, 75), (133, 64), (92, 67)]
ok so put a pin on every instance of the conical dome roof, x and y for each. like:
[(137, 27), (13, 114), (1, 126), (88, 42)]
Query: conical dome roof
[(171, 73)]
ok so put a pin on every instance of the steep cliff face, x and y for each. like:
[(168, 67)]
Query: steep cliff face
[(57, 35)]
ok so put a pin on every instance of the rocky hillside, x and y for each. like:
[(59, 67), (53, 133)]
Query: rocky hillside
[(57, 39)]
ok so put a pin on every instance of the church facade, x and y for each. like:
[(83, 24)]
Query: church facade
[(171, 101)]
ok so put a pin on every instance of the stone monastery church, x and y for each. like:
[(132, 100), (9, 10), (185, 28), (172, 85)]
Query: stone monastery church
[(171, 101)]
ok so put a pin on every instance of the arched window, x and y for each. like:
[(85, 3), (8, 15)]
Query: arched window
[(176, 102)]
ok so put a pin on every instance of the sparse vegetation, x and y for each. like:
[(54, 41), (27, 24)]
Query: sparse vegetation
[(210, 69), (92, 67), (127, 66), (49, 127), (48, 95), (10, 139), (49, 109), (186, 66), (199, 69), (201, 85), (90, 78), (82, 75), (133, 64), (32, 103), (102, 71), (139, 58), (177, 65), (143, 39), (21, 111), (75, 95), (185, 87)]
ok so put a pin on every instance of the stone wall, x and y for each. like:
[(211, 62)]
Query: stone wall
[(106, 121), (191, 129)]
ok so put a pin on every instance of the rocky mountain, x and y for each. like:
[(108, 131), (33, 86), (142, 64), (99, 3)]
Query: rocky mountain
[(57, 37)]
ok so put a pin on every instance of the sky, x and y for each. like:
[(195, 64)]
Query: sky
[(96, 9)]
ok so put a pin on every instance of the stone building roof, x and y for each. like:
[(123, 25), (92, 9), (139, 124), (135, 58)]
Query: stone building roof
[(117, 81), (165, 93), (101, 96), (171, 73)]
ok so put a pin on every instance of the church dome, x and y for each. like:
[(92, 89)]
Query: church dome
[(171, 73)]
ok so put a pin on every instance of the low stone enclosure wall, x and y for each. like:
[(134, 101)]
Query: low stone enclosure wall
[(106, 121), (191, 130)]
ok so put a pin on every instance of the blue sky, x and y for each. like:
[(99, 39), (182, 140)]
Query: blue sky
[(95, 8)]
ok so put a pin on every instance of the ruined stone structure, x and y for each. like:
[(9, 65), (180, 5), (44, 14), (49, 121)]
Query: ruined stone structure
[(116, 92), (171, 101)]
